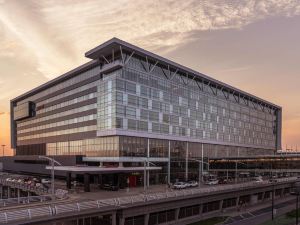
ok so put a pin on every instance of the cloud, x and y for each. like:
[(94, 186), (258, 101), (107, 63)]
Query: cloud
[(57, 34)]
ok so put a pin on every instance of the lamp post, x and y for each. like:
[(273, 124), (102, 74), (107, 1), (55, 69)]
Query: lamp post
[(273, 181), (53, 161), (236, 163), (296, 191), (146, 162), (3, 146), (200, 174)]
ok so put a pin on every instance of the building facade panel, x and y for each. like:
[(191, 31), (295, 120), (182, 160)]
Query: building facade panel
[(129, 105)]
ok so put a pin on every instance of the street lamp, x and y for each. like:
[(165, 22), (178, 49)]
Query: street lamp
[(236, 163), (296, 191), (3, 146), (200, 168), (53, 161), (273, 185), (146, 162)]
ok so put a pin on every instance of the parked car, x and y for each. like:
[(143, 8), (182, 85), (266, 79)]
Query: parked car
[(223, 181), (110, 187), (75, 183), (180, 185), (258, 179), (212, 182), (45, 181), (192, 183)]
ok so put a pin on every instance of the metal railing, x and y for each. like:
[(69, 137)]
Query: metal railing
[(24, 200), (25, 187), (34, 213)]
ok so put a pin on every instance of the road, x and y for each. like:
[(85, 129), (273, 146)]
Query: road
[(259, 216)]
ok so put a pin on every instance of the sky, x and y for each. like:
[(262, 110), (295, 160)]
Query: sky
[(250, 44)]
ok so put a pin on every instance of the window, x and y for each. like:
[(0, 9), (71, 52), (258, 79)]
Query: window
[(153, 116), (143, 126), (143, 102), (144, 114), (130, 112), (132, 124), (132, 100), (155, 127), (130, 87)]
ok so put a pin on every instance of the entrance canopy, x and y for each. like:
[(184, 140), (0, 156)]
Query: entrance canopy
[(102, 170)]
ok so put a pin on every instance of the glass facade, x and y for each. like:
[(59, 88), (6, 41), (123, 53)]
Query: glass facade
[(143, 110), (131, 99), (68, 108)]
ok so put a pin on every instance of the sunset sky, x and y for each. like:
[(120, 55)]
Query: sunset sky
[(252, 45)]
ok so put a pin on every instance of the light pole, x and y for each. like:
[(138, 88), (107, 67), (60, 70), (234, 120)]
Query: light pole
[(146, 162), (236, 163), (296, 191), (53, 161), (200, 169), (3, 146), (273, 200)]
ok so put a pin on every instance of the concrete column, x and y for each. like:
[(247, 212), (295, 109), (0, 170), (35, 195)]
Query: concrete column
[(146, 219), (121, 221), (237, 201), (263, 196), (187, 162), (96, 179), (200, 210), (114, 219), (100, 179), (221, 205), (177, 214), (69, 177), (19, 195), (121, 164), (8, 192), (86, 178), (253, 199), (281, 192), (148, 155), (169, 163)]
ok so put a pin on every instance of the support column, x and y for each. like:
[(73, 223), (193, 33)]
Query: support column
[(96, 179), (148, 155), (121, 221), (8, 192), (263, 196), (201, 209), (187, 162), (177, 214), (69, 177), (100, 179), (1, 189), (114, 219), (281, 193), (169, 164), (18, 194), (202, 167), (146, 219), (86, 178), (237, 201), (221, 205)]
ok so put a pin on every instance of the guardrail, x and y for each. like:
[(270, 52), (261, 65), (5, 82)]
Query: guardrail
[(24, 200), (25, 187), (34, 213)]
